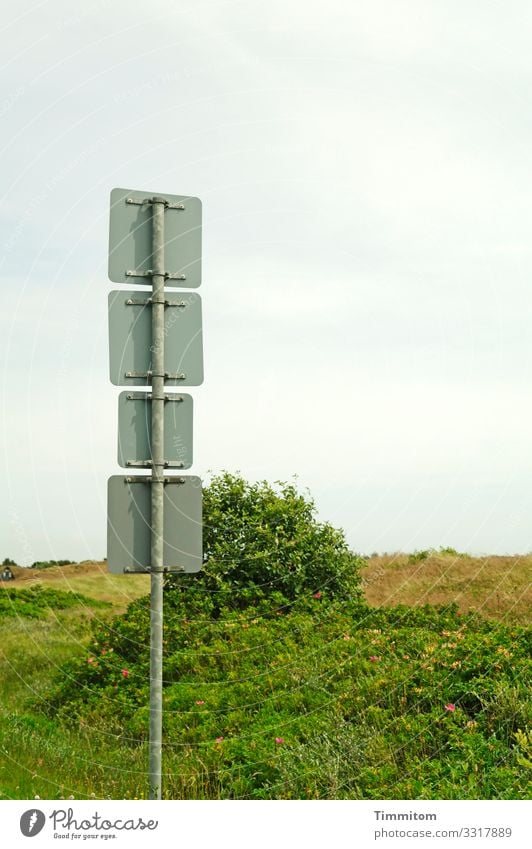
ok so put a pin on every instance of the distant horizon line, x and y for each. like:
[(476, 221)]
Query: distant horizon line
[(419, 554)]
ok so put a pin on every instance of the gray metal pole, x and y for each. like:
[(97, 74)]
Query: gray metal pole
[(157, 500)]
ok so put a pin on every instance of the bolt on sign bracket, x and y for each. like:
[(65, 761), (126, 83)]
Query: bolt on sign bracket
[(168, 275), (148, 374), (146, 396), (167, 203)]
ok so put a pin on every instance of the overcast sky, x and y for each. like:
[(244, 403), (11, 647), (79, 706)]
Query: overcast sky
[(365, 172)]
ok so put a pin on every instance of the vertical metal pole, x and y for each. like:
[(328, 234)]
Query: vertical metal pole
[(157, 500)]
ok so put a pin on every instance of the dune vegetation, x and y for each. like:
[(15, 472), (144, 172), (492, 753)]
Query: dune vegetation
[(293, 669)]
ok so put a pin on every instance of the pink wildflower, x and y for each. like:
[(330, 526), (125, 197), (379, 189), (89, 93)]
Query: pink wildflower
[(450, 707), (200, 702), (90, 660), (219, 739), (279, 740), (374, 658), (317, 595), (125, 672)]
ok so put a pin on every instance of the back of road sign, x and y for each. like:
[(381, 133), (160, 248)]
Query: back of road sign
[(130, 338), (130, 239), (129, 524)]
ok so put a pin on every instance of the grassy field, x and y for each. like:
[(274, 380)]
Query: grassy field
[(500, 588), (326, 702)]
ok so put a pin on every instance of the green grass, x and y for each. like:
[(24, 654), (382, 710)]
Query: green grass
[(41, 629), (356, 696), (38, 602)]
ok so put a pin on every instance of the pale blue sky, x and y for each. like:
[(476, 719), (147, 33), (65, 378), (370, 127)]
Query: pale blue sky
[(365, 175)]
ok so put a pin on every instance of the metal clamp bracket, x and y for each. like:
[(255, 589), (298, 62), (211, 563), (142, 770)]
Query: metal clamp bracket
[(147, 396), (149, 479), (140, 302), (167, 204), (167, 375), (147, 570)]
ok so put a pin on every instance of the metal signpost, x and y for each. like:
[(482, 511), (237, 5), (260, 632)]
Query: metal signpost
[(155, 522)]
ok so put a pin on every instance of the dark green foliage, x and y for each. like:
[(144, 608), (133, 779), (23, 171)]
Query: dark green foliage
[(424, 554), (260, 540), (279, 682), (8, 562), (46, 564), (417, 556), (38, 602), (332, 700)]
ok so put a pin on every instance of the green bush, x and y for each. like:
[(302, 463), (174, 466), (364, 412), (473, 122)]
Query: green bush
[(279, 682), (334, 700), (47, 564), (260, 540), (424, 554)]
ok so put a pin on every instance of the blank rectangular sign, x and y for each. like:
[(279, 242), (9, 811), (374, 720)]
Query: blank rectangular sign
[(134, 428), (129, 531), (130, 238), (130, 338)]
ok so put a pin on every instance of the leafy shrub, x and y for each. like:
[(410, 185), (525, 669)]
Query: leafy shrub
[(418, 556), (334, 700), (451, 552), (47, 564), (524, 747), (260, 539), (279, 682)]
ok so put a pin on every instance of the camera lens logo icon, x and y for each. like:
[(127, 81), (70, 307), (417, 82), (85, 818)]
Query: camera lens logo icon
[(32, 822)]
